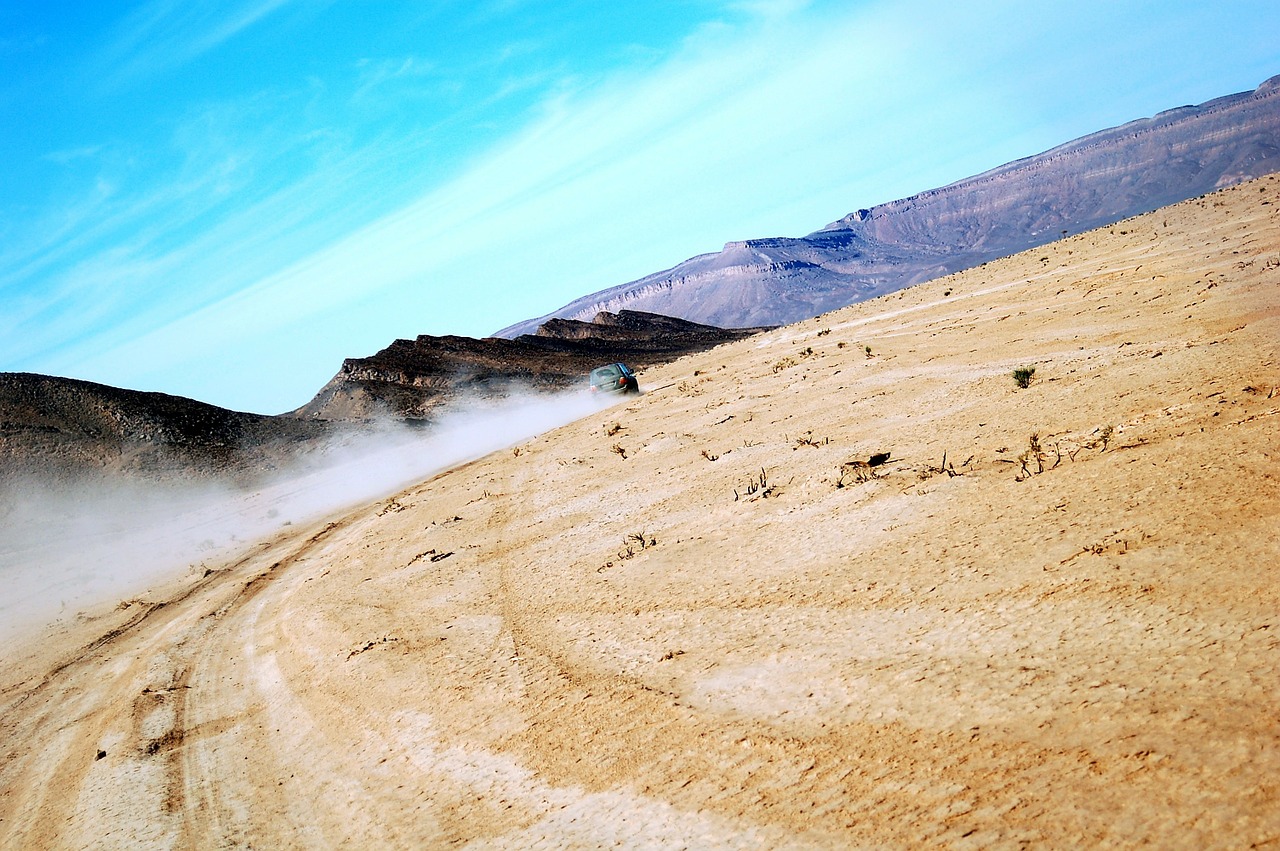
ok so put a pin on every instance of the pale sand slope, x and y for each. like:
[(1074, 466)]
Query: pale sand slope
[(1088, 656)]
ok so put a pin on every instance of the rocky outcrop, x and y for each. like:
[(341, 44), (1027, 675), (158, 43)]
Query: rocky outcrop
[(66, 430), (1087, 183), (411, 378)]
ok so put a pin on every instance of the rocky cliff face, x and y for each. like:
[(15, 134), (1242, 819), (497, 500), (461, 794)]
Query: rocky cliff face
[(1093, 181), (411, 378)]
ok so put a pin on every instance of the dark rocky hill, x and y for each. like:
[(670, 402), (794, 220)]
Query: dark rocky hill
[(410, 378), (65, 428), (1093, 181)]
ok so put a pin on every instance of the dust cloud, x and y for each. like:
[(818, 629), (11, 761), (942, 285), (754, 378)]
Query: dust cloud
[(66, 547)]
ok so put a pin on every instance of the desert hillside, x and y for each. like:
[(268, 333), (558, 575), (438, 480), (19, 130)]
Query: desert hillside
[(702, 618)]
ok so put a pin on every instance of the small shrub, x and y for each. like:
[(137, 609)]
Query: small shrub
[(1103, 438), (635, 543), (1022, 376), (1035, 454), (757, 488), (855, 472), (809, 440)]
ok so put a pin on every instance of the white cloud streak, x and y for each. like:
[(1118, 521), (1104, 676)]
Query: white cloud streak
[(167, 33)]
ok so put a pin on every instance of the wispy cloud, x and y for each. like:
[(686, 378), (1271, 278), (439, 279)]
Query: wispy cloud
[(70, 155), (164, 34), (376, 76)]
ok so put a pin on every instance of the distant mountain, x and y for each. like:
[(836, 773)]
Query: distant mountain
[(410, 378), (1094, 181)]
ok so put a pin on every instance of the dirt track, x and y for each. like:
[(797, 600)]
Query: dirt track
[(687, 622)]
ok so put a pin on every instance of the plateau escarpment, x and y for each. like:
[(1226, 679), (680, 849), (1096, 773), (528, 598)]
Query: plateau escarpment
[(1087, 183)]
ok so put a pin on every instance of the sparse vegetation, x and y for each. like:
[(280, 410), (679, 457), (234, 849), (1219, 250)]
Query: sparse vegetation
[(758, 487), (635, 543), (1022, 376), (619, 451), (807, 439), (613, 428), (392, 505), (1036, 454), (945, 467), (632, 545), (855, 472), (789, 361), (1103, 438)]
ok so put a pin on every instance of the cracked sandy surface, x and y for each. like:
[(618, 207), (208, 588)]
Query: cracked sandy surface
[(1078, 646)]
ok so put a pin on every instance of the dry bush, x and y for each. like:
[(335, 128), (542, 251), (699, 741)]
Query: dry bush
[(784, 363), (757, 487)]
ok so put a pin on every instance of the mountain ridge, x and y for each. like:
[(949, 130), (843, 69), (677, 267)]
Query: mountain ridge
[(1094, 180), (411, 378), (57, 428), (62, 429)]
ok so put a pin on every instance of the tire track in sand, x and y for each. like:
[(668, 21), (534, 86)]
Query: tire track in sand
[(74, 769)]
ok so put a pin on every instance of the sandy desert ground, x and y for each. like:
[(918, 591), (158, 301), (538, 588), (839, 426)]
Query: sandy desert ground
[(698, 619)]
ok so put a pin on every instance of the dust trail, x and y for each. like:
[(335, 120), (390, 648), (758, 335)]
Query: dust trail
[(66, 548)]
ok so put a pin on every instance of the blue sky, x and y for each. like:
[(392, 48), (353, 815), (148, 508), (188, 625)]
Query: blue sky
[(224, 200)]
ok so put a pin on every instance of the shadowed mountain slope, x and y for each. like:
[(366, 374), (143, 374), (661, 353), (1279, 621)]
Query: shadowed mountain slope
[(1087, 183), (64, 426), (410, 378)]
